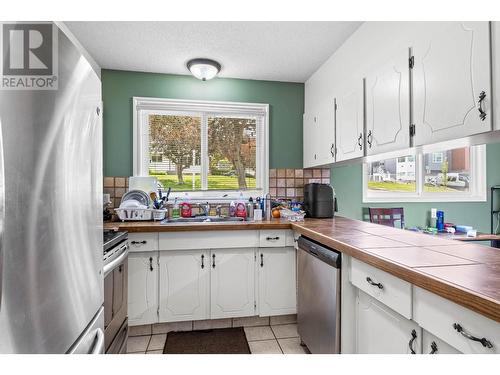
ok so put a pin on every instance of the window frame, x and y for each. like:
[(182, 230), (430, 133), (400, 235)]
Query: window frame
[(142, 107), (477, 188)]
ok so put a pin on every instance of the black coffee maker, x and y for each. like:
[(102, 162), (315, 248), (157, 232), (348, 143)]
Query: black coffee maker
[(319, 200)]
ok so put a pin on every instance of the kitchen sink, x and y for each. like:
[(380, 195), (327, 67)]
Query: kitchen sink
[(203, 219)]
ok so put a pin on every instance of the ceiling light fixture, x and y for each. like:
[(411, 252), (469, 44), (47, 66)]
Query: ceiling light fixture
[(203, 69)]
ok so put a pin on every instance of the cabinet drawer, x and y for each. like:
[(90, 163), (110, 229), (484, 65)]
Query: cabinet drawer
[(272, 238), (143, 241), (390, 290), (439, 316), (222, 239)]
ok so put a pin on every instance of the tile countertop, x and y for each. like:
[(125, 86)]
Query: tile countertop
[(467, 274)]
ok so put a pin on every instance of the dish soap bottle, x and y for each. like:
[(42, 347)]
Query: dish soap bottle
[(241, 207), (186, 210), (175, 209)]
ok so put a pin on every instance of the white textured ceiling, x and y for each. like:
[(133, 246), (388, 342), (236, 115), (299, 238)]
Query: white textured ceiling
[(275, 51)]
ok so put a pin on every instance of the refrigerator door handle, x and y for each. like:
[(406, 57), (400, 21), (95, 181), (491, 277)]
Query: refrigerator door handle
[(2, 210), (99, 344)]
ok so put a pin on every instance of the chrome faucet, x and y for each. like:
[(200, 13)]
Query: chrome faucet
[(205, 208)]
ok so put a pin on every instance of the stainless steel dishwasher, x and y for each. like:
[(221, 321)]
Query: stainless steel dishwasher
[(318, 272)]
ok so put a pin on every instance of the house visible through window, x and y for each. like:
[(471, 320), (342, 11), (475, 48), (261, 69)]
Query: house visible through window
[(202, 146), (443, 175)]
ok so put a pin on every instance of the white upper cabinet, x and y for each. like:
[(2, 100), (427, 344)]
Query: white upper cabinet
[(325, 140), (495, 59), (319, 134), (310, 129), (184, 285), (349, 126), (451, 81), (388, 105), (233, 283)]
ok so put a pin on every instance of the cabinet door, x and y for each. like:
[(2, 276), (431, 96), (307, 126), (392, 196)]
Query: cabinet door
[(380, 330), (232, 283), (349, 123), (142, 288), (324, 143), (452, 69), (434, 345), (310, 127), (388, 105), (277, 281), (184, 285)]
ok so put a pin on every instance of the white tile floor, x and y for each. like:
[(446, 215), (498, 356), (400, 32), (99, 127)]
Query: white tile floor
[(277, 335)]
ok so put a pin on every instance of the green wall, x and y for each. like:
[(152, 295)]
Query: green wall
[(286, 102), (347, 181)]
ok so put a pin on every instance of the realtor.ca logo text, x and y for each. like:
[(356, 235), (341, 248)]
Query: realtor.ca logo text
[(29, 56)]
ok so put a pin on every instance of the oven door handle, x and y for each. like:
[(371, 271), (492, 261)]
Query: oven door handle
[(112, 265)]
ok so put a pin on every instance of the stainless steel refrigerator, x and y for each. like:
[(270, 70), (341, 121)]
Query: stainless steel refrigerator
[(51, 289)]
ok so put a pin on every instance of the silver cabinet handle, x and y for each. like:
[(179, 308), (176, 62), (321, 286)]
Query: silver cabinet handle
[(482, 112), (99, 345), (369, 138), (371, 282), (360, 138), (413, 338), (332, 150), (486, 343), (434, 348)]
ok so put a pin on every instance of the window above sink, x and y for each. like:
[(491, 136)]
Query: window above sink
[(209, 149)]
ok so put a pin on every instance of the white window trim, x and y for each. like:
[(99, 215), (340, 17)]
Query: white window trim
[(477, 189), (142, 107)]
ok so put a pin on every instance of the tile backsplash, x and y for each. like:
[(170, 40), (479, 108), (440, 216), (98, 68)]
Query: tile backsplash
[(284, 183), (289, 183)]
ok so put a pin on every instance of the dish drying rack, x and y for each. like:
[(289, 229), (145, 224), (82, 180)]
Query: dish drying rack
[(140, 214)]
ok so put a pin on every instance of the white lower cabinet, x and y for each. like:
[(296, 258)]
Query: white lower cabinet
[(232, 285), (277, 281), (184, 285), (434, 345), (380, 330), (143, 288)]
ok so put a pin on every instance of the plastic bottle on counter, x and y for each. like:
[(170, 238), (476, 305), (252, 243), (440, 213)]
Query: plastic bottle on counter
[(232, 209), (250, 208), (185, 207), (267, 210), (175, 209)]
